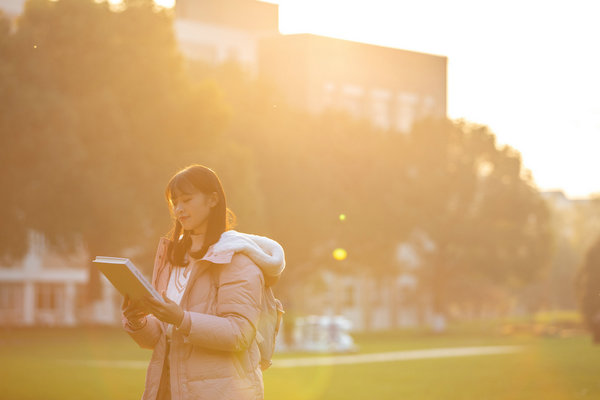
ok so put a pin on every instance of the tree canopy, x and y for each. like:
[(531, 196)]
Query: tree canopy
[(97, 113)]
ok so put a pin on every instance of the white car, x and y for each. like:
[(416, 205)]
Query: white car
[(324, 334)]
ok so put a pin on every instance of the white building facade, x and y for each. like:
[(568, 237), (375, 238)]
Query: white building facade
[(35, 293)]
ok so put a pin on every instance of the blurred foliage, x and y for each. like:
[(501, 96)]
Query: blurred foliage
[(487, 221), (97, 113), (588, 290), (558, 317), (575, 223), (557, 323)]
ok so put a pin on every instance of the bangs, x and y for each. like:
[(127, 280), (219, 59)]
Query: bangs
[(178, 186), (190, 181)]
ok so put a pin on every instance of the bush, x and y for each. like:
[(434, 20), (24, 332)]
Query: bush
[(556, 323)]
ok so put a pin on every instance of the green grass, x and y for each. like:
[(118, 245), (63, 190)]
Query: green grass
[(34, 364)]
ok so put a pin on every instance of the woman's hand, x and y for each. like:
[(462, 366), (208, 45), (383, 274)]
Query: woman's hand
[(169, 311), (134, 311)]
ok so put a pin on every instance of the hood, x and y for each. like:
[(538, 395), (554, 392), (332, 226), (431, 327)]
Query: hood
[(266, 253)]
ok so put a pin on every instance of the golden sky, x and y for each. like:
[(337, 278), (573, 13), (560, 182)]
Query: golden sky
[(528, 69)]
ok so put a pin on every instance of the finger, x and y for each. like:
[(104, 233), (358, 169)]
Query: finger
[(153, 301), (154, 308), (134, 315), (135, 306), (145, 308), (133, 310), (149, 307), (159, 315), (125, 302), (165, 297)]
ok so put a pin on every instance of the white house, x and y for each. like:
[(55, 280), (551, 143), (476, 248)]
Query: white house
[(46, 290)]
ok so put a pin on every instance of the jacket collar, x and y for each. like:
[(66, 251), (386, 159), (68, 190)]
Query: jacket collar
[(266, 253), (223, 257)]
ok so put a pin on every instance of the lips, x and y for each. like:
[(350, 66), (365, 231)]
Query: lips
[(181, 219)]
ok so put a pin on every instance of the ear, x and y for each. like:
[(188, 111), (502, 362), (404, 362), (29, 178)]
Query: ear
[(213, 199)]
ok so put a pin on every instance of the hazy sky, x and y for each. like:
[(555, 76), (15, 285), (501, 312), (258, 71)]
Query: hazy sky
[(530, 70)]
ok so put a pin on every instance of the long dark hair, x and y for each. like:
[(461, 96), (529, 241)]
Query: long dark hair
[(191, 179)]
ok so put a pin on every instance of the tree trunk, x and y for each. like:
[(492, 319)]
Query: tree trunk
[(439, 281), (366, 302), (393, 302), (596, 334)]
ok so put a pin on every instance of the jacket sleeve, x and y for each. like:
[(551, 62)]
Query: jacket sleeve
[(238, 309), (146, 336)]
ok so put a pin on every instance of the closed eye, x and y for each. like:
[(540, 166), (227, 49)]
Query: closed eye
[(175, 201)]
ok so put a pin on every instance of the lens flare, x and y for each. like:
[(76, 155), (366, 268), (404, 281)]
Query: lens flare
[(342, 217), (340, 254)]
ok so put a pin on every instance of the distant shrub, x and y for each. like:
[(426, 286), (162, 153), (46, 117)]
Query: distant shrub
[(567, 318), (588, 290), (557, 323)]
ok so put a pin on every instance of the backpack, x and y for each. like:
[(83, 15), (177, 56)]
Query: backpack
[(271, 314), (269, 322)]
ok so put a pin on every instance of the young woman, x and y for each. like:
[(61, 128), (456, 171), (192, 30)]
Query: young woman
[(211, 278)]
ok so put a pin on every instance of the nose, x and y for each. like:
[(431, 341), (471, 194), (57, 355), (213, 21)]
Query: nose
[(178, 208)]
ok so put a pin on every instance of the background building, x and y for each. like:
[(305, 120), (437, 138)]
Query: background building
[(12, 8), (218, 31), (390, 87), (46, 289)]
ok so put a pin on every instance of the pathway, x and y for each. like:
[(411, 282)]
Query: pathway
[(338, 359)]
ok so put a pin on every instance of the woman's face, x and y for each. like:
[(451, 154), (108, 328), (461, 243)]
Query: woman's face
[(192, 210)]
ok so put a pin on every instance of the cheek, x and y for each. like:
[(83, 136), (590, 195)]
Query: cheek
[(201, 211), (206, 212)]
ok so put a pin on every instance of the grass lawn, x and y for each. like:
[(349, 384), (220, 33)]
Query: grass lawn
[(44, 364)]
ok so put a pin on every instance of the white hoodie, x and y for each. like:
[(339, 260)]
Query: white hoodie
[(266, 253)]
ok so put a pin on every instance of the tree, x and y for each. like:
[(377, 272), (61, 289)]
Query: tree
[(575, 225), (486, 220), (97, 112), (588, 290)]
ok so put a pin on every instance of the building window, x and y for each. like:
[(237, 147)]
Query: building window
[(406, 107), (376, 294), (233, 55), (428, 106), (380, 107), (81, 295), (349, 294), (47, 296), (10, 295), (200, 51), (352, 99), (329, 94)]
